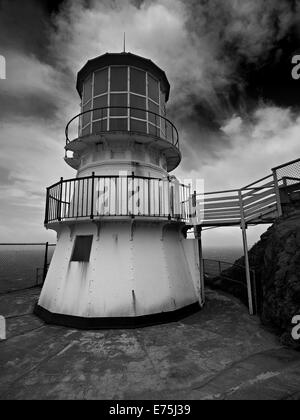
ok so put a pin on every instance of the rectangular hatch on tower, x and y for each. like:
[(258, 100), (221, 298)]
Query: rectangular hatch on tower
[(82, 248)]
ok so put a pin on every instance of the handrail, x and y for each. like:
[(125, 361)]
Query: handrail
[(176, 143), (224, 209), (252, 278), (291, 178), (117, 196), (218, 192), (285, 164), (25, 243), (229, 263), (256, 182), (117, 176), (251, 204), (56, 199), (225, 262)]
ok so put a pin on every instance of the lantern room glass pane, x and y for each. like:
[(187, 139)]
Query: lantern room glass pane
[(100, 82), (162, 103), (86, 118), (100, 102), (153, 88), (118, 79), (155, 131), (170, 135), (118, 124), (137, 81), (137, 102), (154, 118), (138, 126), (99, 126), (86, 131), (87, 89), (118, 99)]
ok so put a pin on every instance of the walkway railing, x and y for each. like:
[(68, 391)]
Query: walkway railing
[(234, 276), (117, 196), (23, 265), (121, 118), (100, 196), (255, 203), (259, 202), (288, 173)]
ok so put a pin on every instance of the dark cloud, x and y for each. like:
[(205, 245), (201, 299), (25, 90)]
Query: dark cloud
[(28, 105), (51, 6), (229, 63), (35, 86), (254, 41), (23, 26)]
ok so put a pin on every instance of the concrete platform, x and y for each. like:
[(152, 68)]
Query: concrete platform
[(218, 353)]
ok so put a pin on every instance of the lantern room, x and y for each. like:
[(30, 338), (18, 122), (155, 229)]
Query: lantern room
[(123, 93)]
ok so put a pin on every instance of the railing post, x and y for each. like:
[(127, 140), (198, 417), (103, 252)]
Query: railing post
[(117, 179), (166, 129), (194, 204), (245, 245), (172, 134), (169, 199), (254, 292), (132, 194), (149, 196), (185, 210), (60, 200), (277, 192), (45, 261), (92, 197), (47, 207), (284, 180), (201, 295)]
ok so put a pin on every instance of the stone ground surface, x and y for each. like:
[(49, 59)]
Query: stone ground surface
[(218, 353)]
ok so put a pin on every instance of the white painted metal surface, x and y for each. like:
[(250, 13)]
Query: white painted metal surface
[(137, 268)]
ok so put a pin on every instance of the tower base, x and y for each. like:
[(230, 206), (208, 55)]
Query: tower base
[(115, 322), (126, 273)]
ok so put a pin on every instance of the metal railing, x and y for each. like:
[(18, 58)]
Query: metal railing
[(117, 196), (234, 276), (23, 265), (255, 203), (99, 196), (121, 118), (288, 173)]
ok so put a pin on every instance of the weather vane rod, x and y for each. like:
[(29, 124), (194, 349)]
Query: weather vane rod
[(124, 42)]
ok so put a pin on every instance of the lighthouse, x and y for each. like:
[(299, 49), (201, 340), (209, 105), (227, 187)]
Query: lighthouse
[(122, 257)]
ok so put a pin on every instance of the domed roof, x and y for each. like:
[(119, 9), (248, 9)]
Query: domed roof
[(127, 59)]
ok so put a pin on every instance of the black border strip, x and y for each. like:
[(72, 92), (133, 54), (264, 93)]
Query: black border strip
[(71, 321)]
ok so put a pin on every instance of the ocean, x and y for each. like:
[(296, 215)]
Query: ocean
[(229, 255), (21, 266)]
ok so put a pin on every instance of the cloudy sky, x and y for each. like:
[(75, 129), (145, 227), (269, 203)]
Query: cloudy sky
[(232, 99)]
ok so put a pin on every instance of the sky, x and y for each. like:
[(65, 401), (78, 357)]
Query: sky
[(233, 99)]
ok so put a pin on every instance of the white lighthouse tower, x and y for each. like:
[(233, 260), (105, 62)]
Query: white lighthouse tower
[(122, 258)]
